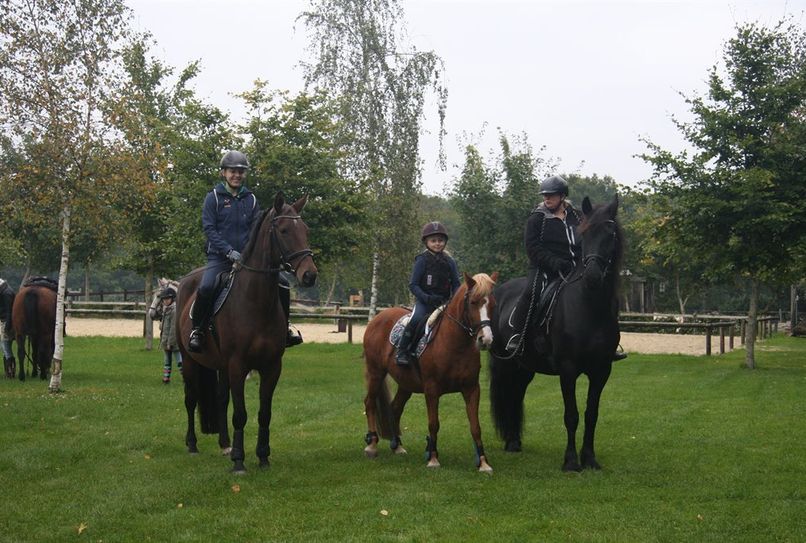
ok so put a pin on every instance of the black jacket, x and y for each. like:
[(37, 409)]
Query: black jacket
[(551, 243)]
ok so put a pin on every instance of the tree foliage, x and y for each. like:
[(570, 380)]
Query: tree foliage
[(737, 200)]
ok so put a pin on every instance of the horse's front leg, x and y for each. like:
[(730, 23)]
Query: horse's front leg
[(374, 380), (471, 396), (21, 356), (268, 382), (191, 399), (239, 417), (432, 405), (596, 383), (222, 406), (571, 419)]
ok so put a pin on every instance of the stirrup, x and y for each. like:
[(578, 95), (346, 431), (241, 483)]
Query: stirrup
[(403, 357), (195, 340), (513, 342)]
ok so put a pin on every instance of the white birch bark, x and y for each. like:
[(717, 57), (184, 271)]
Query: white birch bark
[(58, 335)]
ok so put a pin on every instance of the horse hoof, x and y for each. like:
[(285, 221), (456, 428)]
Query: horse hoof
[(483, 466), (193, 449), (572, 467), (513, 446), (264, 463), (370, 451), (433, 463), (225, 451), (400, 450), (239, 469)]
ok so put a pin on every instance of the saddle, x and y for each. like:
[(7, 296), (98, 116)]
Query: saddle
[(423, 334), (42, 281), (221, 290)]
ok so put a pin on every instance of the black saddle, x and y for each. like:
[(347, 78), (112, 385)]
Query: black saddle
[(42, 281)]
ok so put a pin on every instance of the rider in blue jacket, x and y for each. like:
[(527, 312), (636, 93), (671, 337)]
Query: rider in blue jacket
[(227, 216)]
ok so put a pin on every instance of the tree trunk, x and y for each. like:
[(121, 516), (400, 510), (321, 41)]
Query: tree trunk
[(752, 325), (373, 297), (87, 280), (680, 300), (332, 288), (58, 335), (793, 309), (148, 295)]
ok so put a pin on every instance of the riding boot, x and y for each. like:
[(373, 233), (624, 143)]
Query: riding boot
[(404, 357), (619, 355), (291, 337), (200, 317)]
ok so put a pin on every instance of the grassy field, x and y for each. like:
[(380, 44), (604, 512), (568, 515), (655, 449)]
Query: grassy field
[(693, 449)]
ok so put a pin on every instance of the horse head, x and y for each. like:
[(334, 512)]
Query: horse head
[(478, 303), (601, 242)]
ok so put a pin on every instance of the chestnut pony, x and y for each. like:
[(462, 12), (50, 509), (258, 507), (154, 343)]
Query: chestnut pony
[(33, 316), (449, 363), (249, 331)]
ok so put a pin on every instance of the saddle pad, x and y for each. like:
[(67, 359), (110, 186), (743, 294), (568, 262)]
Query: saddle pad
[(225, 284), (397, 332)]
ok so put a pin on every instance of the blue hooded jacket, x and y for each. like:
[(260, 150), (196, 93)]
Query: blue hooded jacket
[(227, 220)]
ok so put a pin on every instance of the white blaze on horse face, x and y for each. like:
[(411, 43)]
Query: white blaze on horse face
[(486, 331)]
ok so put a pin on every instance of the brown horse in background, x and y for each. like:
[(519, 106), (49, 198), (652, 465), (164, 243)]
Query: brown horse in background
[(34, 319), (249, 331), (450, 363)]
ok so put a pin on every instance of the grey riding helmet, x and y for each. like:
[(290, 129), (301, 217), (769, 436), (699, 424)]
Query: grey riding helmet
[(234, 159), (554, 185)]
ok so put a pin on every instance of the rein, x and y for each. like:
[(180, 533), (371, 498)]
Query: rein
[(285, 258)]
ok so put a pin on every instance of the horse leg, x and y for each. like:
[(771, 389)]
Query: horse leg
[(268, 382), (398, 404), (222, 405), (239, 418), (596, 384), (471, 396), (191, 400), (21, 356), (508, 384), (571, 419), (374, 380), (432, 405)]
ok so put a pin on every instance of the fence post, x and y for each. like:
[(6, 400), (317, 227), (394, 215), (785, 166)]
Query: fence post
[(742, 330), (721, 340), (350, 331), (730, 342), (707, 340)]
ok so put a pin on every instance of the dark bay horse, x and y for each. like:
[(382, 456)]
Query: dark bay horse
[(450, 363), (583, 334), (248, 333), (34, 319)]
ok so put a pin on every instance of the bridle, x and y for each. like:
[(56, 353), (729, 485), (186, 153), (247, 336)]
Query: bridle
[(604, 263), (286, 259), (465, 323)]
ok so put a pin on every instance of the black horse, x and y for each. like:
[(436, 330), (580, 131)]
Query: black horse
[(583, 334)]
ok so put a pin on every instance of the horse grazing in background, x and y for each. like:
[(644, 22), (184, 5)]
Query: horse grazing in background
[(34, 320), (582, 330), (450, 363), (249, 330)]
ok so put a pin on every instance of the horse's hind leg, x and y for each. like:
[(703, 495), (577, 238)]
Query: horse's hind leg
[(398, 404), (222, 405), (571, 419), (268, 382), (191, 399), (239, 418), (21, 356), (471, 396), (596, 384), (374, 381)]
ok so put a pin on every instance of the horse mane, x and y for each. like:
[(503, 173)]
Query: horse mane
[(484, 285), (250, 244)]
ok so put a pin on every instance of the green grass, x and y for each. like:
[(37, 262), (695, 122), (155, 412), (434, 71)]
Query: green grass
[(693, 449)]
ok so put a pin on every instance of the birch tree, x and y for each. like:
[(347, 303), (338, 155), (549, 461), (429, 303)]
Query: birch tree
[(59, 60), (359, 57)]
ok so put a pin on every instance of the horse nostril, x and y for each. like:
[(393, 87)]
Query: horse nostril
[(309, 278)]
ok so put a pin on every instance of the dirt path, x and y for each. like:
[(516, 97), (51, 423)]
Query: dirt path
[(327, 333)]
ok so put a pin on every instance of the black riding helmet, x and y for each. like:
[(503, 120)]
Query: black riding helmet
[(167, 292), (234, 159), (554, 185), (432, 228)]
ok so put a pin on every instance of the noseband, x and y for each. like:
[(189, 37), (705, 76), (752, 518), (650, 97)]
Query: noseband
[(604, 263), (286, 259)]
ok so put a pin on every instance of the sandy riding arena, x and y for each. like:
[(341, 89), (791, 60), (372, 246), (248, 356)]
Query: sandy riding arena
[(327, 333)]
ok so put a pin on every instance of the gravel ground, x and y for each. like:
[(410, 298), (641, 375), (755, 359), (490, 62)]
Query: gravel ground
[(327, 333)]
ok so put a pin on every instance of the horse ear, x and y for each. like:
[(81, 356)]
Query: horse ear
[(469, 280), (279, 202), (612, 207), (587, 207), (299, 204), (494, 277)]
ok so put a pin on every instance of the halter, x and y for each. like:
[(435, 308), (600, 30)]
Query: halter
[(285, 258), (604, 263), (464, 324)]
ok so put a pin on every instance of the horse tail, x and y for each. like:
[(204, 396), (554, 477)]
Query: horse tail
[(208, 399), (508, 382), (383, 413), (30, 304)]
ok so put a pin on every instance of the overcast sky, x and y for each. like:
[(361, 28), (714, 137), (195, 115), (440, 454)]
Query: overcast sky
[(585, 79)]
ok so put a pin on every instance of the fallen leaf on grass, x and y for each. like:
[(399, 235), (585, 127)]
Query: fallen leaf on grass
[(384, 512), (147, 456), (180, 505), (81, 528), (236, 488), (699, 517)]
